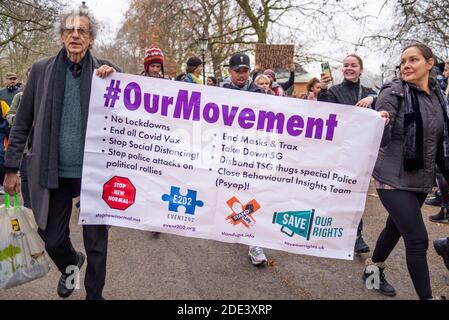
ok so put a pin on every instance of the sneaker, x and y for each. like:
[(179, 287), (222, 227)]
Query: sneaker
[(434, 200), (442, 216), (381, 285), (63, 290), (256, 255), (360, 245), (438, 298), (442, 248)]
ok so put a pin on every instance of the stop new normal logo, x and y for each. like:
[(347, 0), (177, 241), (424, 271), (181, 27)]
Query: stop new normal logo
[(119, 193)]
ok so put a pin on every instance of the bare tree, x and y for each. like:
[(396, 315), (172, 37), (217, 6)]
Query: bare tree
[(229, 26), (25, 32), (176, 26), (264, 15), (423, 20), (407, 21), (223, 24)]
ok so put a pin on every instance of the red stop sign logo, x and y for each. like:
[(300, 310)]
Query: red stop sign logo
[(119, 193)]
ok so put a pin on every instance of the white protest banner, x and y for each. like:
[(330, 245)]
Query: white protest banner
[(227, 165)]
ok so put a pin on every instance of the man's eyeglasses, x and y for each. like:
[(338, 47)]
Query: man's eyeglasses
[(12, 78), (81, 31)]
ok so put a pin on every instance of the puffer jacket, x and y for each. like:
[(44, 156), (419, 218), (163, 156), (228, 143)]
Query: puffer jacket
[(346, 92), (389, 168)]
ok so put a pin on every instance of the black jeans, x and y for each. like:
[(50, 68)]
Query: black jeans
[(57, 238), (405, 220)]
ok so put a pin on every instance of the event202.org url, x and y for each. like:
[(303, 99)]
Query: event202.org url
[(179, 227)]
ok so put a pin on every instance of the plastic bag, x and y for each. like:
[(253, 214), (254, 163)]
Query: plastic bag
[(22, 254)]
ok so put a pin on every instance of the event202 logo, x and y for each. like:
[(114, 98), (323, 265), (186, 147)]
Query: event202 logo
[(175, 200), (305, 224)]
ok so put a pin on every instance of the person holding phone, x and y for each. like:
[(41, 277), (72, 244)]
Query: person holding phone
[(349, 92)]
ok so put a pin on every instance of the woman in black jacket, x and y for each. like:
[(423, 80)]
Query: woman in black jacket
[(350, 92), (415, 140)]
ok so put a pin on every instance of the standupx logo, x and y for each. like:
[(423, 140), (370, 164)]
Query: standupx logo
[(242, 213)]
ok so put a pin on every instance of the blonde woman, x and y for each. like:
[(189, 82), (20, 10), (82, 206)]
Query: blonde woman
[(263, 82)]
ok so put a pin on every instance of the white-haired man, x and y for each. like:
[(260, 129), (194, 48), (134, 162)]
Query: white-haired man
[(54, 109)]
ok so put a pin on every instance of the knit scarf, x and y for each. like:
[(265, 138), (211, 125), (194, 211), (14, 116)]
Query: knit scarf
[(196, 79), (48, 175), (413, 130)]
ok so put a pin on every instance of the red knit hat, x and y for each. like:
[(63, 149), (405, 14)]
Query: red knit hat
[(153, 55)]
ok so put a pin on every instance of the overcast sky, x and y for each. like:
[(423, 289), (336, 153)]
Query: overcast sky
[(111, 12)]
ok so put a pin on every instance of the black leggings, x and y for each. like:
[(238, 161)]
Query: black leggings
[(405, 219), (444, 189)]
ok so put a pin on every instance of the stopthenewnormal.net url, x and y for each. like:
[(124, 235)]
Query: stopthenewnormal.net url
[(107, 215)]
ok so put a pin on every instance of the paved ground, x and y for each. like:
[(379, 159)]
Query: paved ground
[(174, 267)]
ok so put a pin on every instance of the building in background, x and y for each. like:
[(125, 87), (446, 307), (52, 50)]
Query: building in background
[(302, 76)]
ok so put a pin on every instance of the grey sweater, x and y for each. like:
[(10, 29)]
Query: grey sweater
[(70, 148)]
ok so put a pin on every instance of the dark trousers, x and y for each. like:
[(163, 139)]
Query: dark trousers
[(57, 238), (405, 220), (2, 157), (444, 188), (24, 189), (360, 228)]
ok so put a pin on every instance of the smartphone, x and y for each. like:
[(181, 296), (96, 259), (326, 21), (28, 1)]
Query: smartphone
[(325, 68)]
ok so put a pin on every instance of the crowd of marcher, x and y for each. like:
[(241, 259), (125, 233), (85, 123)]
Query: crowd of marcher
[(44, 125)]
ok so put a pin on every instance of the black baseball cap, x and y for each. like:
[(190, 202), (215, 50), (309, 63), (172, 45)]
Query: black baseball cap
[(239, 60)]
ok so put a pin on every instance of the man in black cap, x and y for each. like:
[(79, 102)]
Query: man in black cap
[(239, 67)]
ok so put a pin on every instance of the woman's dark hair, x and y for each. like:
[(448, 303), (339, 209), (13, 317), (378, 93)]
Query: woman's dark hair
[(312, 82), (358, 59), (214, 80), (190, 69), (425, 50), (427, 53)]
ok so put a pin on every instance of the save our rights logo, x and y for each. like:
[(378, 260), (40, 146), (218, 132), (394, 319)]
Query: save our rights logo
[(305, 224)]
